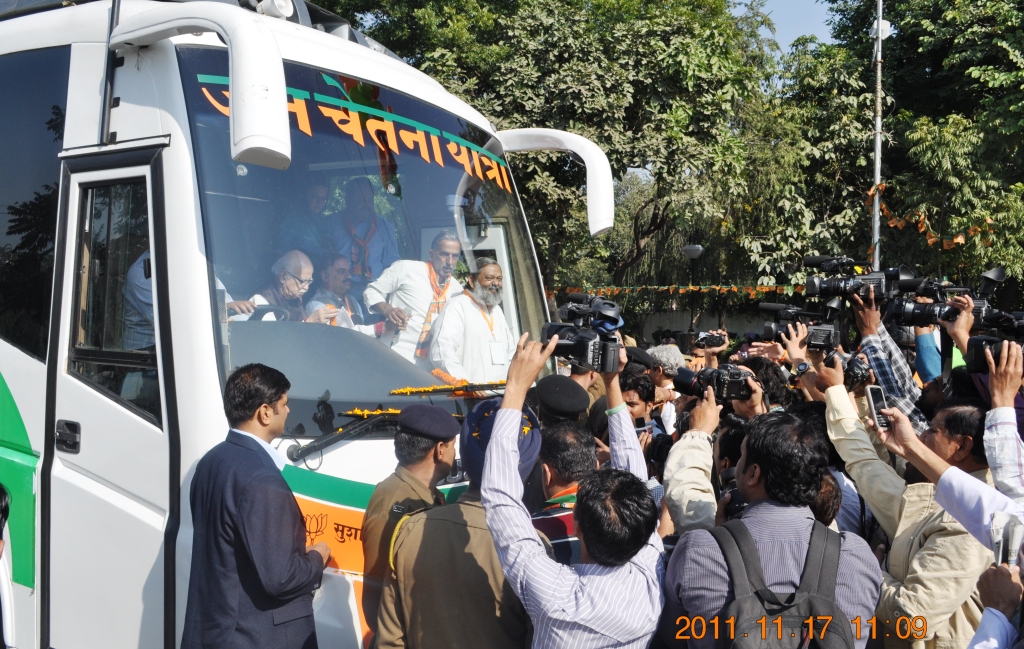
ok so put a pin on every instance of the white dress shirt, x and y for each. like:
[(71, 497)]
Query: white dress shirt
[(278, 459), (406, 285), (586, 606), (471, 344), (324, 297)]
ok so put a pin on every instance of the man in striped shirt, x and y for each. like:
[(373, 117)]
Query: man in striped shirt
[(612, 598)]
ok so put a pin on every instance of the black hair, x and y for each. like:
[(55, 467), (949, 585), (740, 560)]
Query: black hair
[(829, 500), (683, 421), (5, 508), (615, 514), (577, 370), (569, 449), (412, 448), (813, 414), (642, 384), (633, 368), (731, 431), (773, 380), (791, 454), (961, 385), (965, 418), (249, 387)]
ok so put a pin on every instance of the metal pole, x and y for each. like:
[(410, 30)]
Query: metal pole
[(876, 203), (693, 293)]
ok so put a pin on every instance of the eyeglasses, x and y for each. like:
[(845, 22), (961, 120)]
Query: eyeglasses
[(304, 283)]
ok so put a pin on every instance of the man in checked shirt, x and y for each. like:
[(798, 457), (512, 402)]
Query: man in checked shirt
[(891, 369), (612, 598)]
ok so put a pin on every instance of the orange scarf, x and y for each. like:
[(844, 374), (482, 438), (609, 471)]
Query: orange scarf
[(440, 297), (361, 249)]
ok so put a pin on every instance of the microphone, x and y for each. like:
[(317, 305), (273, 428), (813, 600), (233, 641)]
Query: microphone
[(773, 307), (817, 261), (578, 298)]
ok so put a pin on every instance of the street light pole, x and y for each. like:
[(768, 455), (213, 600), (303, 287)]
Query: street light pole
[(693, 253), (880, 31)]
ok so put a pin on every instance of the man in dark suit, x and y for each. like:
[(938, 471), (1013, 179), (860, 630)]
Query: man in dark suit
[(252, 574)]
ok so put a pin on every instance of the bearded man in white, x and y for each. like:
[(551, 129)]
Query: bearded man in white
[(473, 341)]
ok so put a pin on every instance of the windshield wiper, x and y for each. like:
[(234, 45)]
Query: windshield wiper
[(296, 453)]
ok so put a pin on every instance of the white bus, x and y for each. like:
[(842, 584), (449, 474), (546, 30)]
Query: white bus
[(155, 158)]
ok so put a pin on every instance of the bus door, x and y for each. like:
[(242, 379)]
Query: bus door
[(109, 482)]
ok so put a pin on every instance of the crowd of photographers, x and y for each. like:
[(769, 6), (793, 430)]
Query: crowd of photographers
[(840, 482)]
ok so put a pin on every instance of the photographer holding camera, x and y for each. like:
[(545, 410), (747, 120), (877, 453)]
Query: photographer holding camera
[(886, 359), (612, 598), (933, 563)]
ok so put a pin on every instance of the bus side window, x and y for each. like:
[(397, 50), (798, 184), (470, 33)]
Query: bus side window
[(113, 340), (32, 104)]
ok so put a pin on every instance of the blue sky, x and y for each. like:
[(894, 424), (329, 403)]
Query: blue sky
[(794, 18)]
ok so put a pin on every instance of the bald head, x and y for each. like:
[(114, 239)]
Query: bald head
[(294, 273)]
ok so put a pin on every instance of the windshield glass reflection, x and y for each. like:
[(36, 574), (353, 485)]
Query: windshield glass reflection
[(392, 253)]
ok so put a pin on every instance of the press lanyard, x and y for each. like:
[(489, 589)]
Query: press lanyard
[(483, 311)]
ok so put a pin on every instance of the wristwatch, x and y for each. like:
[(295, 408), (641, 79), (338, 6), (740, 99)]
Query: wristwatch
[(802, 367)]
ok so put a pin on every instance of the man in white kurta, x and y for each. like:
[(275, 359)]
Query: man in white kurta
[(411, 294), (473, 341)]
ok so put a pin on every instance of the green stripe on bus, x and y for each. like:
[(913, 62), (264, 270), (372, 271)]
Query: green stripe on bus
[(347, 493), (18, 475), (339, 491)]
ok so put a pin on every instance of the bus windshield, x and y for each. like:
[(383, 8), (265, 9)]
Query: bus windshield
[(392, 253)]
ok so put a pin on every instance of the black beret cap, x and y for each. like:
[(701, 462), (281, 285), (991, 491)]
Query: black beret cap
[(560, 397), (641, 356), (429, 421)]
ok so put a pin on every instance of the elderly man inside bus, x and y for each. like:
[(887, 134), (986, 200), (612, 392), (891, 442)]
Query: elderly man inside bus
[(292, 275), (473, 340)]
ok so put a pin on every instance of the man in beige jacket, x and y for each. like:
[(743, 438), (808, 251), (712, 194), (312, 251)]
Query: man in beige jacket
[(933, 564)]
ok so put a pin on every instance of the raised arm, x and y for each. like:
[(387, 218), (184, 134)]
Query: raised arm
[(877, 482), (689, 496), (1003, 446), (537, 579), (622, 439)]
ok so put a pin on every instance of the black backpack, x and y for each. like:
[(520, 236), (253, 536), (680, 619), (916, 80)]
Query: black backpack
[(758, 611)]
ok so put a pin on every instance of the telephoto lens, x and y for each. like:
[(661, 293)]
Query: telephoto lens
[(909, 313)]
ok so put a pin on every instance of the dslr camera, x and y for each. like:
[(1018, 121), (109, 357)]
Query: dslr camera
[(855, 370), (728, 382), (705, 340), (588, 336)]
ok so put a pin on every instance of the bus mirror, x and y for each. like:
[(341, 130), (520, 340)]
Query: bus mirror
[(600, 189), (259, 105)]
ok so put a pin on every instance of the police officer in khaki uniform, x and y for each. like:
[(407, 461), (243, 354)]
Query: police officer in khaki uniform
[(443, 560), (425, 448)]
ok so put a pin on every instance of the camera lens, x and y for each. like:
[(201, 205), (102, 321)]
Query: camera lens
[(813, 288), (686, 382)]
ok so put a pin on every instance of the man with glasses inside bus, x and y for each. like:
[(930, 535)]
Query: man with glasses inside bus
[(411, 294), (293, 273)]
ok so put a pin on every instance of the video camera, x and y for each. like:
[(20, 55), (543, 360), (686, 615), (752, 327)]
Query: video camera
[(728, 382), (1006, 326), (855, 370), (587, 337), (822, 336), (884, 282), (908, 313)]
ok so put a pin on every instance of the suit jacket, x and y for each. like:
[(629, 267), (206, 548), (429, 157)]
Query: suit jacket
[(252, 579)]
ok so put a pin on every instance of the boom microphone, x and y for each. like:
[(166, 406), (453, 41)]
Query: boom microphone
[(577, 298)]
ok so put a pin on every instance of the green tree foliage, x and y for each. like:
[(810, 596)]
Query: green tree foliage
[(717, 137)]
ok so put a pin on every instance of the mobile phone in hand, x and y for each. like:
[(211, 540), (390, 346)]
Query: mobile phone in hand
[(876, 403)]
